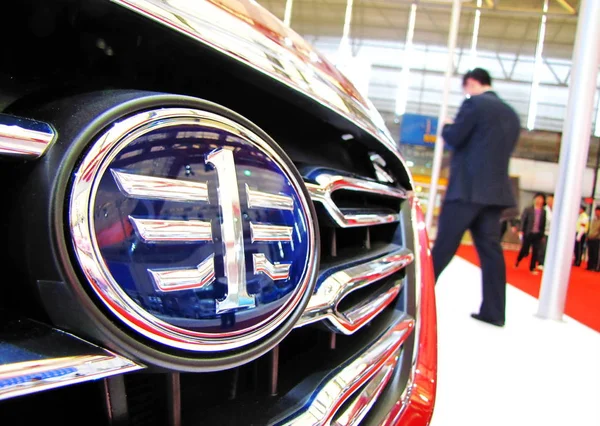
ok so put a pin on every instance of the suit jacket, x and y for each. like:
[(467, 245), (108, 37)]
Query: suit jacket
[(527, 219), (482, 139)]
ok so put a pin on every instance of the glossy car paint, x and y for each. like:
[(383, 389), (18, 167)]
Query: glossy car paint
[(245, 31), (416, 409)]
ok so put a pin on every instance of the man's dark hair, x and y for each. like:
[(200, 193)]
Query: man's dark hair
[(480, 75), (539, 194), (597, 208)]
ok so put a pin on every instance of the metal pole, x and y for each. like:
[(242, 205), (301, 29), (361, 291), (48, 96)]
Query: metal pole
[(596, 133), (537, 71), (438, 151), (573, 158), (595, 179), (344, 52), (474, 39)]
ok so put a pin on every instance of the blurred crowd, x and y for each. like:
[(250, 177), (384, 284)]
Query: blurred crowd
[(533, 228)]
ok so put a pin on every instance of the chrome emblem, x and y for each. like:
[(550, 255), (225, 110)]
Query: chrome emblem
[(193, 231), (231, 228)]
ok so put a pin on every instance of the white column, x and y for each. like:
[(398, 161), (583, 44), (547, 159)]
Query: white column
[(597, 125), (403, 84), (287, 16), (573, 157), (438, 152), (537, 70)]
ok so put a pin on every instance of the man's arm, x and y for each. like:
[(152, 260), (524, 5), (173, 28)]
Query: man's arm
[(457, 134), (524, 220)]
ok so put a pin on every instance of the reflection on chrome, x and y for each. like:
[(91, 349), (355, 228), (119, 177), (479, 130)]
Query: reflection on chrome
[(324, 302), (278, 271), (378, 164), (153, 188), (185, 279), (327, 184), (260, 232), (156, 230), (268, 201), (24, 138), (364, 401), (371, 365), (35, 357), (231, 232)]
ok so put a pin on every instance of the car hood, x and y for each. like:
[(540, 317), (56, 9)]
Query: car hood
[(247, 32)]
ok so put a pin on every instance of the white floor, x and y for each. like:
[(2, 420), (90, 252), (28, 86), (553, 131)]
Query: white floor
[(531, 372)]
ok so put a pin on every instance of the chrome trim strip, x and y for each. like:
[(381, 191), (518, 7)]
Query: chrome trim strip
[(324, 302), (268, 201), (260, 232), (369, 218), (156, 230), (35, 357), (332, 394), (327, 184), (185, 279), (359, 315), (153, 188), (24, 138), (278, 271)]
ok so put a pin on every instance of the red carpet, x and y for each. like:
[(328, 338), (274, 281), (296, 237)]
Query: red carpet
[(583, 296)]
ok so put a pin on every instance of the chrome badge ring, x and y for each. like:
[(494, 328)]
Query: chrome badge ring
[(192, 230)]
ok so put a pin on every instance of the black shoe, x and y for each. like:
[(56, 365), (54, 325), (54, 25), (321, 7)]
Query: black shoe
[(489, 321)]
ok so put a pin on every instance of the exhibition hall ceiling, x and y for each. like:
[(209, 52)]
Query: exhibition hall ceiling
[(506, 25)]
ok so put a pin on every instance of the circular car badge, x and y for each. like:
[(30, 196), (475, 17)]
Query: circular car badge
[(192, 230)]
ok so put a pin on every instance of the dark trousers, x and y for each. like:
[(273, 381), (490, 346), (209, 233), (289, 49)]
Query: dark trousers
[(593, 253), (503, 228), (579, 249), (455, 219), (543, 246), (533, 242)]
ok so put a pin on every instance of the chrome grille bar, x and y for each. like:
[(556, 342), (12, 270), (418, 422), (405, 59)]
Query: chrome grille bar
[(365, 400), (372, 365), (324, 302), (24, 138), (327, 184)]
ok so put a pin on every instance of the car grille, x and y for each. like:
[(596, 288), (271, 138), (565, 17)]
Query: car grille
[(345, 348), (343, 352)]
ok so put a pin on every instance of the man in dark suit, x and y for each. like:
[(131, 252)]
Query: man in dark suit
[(482, 139), (533, 225)]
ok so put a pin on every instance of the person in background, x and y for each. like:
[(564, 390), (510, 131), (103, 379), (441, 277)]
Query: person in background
[(594, 243), (533, 224), (482, 139), (583, 226), (544, 245)]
